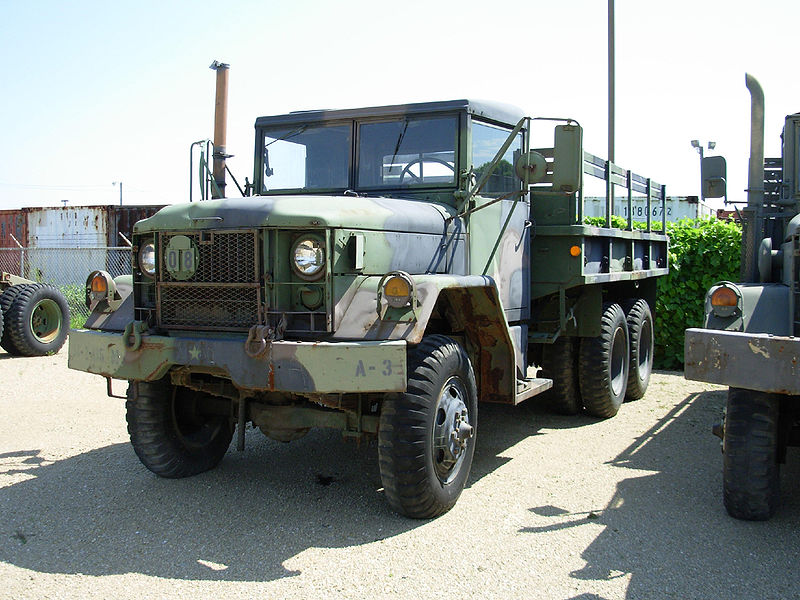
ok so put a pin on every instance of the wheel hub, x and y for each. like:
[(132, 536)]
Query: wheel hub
[(451, 430)]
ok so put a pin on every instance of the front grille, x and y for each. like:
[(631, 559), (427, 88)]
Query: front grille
[(220, 289), (223, 256), (209, 307)]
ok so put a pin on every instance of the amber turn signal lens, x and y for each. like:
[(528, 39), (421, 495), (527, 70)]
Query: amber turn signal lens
[(575, 251), (99, 284), (724, 296), (397, 287)]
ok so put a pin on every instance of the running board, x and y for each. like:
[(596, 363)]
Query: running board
[(527, 388)]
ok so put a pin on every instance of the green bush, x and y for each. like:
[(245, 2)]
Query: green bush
[(701, 253), (76, 300)]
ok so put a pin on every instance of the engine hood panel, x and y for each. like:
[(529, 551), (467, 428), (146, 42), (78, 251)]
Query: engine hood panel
[(383, 214)]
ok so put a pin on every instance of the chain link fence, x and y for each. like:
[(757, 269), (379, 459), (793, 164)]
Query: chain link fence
[(67, 269)]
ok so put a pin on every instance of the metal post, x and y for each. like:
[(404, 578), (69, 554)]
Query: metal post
[(611, 80)]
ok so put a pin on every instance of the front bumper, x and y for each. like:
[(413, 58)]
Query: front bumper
[(299, 367), (753, 361)]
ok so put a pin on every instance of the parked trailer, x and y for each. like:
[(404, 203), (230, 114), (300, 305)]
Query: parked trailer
[(392, 266)]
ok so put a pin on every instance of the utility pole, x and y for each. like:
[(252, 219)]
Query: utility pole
[(120, 190), (611, 80)]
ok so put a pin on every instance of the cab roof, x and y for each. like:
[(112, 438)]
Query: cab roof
[(497, 112)]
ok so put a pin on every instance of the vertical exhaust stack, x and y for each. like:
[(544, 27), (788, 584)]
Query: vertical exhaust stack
[(755, 180), (752, 215), (220, 128)]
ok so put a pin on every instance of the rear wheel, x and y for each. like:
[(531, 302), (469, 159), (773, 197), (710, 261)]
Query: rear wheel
[(750, 462), (37, 320), (640, 329), (426, 437), (560, 363), (170, 433), (603, 364), (6, 299)]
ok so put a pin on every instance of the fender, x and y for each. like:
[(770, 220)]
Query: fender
[(471, 306), (105, 318)]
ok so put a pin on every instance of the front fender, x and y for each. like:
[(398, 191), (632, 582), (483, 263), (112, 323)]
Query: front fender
[(104, 318), (470, 304)]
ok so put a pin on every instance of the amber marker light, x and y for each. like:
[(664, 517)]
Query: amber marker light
[(99, 284), (724, 296), (575, 251), (397, 291)]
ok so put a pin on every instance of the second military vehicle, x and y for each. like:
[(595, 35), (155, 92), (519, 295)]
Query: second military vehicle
[(392, 266), (748, 341)]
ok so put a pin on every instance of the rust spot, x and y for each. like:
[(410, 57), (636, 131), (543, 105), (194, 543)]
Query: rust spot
[(271, 378), (150, 376)]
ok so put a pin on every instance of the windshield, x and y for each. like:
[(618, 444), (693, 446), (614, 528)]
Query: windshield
[(407, 152), (306, 158)]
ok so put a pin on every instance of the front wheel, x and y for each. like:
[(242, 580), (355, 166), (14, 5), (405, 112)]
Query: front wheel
[(171, 433), (750, 460), (426, 439)]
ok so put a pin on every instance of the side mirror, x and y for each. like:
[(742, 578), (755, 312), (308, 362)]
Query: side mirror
[(713, 171), (568, 158)]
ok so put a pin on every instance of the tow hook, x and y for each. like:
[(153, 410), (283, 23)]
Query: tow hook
[(132, 336), (259, 336)]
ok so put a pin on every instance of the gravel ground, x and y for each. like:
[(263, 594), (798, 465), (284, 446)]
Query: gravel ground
[(556, 507)]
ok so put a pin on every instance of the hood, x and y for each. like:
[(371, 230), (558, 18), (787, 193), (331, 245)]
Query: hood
[(383, 214)]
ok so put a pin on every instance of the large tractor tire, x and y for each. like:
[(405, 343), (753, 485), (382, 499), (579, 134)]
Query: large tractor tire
[(750, 470), (560, 363), (170, 435), (426, 439), (603, 363), (37, 320), (641, 331)]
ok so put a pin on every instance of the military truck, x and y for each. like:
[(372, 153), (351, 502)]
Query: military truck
[(34, 317), (748, 341), (388, 268)]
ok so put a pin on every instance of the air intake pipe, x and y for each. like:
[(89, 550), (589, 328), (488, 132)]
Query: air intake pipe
[(220, 129)]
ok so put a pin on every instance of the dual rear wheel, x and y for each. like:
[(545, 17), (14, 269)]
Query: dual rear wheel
[(599, 373)]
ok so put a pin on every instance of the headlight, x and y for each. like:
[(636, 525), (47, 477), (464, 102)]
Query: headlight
[(308, 258), (147, 258)]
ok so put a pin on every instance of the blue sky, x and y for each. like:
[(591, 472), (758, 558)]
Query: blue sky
[(97, 92)]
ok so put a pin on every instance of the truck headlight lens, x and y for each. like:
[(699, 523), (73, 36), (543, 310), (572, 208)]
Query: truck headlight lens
[(147, 258), (308, 258)]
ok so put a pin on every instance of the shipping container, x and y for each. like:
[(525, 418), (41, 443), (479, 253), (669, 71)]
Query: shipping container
[(122, 218), (676, 207)]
